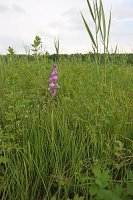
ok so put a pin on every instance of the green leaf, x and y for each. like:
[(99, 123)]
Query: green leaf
[(100, 17), (102, 177), (130, 189), (107, 195), (103, 21), (57, 46), (109, 25), (93, 189), (91, 11), (89, 32), (118, 191), (99, 14), (116, 49), (77, 197), (97, 171), (3, 160)]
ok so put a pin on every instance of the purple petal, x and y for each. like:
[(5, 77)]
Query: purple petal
[(57, 85), (53, 77), (54, 72), (52, 84), (53, 81), (53, 92)]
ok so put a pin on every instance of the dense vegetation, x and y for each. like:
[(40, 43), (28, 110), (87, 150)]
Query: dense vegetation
[(89, 57), (78, 145)]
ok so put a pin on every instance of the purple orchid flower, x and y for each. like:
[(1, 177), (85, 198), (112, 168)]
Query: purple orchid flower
[(53, 82)]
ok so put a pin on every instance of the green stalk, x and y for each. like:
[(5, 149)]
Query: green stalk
[(52, 125), (102, 31)]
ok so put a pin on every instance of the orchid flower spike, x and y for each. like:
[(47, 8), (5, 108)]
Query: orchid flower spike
[(53, 86)]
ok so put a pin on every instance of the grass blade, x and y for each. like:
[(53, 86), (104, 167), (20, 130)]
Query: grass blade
[(92, 14), (109, 25), (89, 31), (103, 21), (116, 49), (98, 10)]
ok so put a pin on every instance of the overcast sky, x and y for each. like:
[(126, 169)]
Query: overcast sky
[(22, 20)]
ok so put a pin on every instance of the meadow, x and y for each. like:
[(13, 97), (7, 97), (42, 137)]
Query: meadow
[(77, 145)]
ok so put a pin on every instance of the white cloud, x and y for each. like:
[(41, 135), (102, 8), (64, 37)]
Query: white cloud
[(22, 20)]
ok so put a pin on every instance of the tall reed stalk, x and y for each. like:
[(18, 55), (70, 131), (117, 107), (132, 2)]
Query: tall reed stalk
[(57, 48), (102, 31)]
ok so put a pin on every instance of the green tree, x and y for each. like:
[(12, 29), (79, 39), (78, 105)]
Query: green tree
[(11, 51), (37, 46)]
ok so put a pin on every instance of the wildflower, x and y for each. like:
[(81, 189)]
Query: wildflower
[(53, 81)]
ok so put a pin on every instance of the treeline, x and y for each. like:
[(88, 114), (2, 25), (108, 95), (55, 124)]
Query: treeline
[(90, 57)]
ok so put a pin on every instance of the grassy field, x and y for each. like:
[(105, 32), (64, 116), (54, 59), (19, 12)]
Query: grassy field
[(78, 145)]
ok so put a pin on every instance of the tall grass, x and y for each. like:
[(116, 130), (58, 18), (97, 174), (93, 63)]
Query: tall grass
[(50, 147), (78, 145), (101, 33)]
